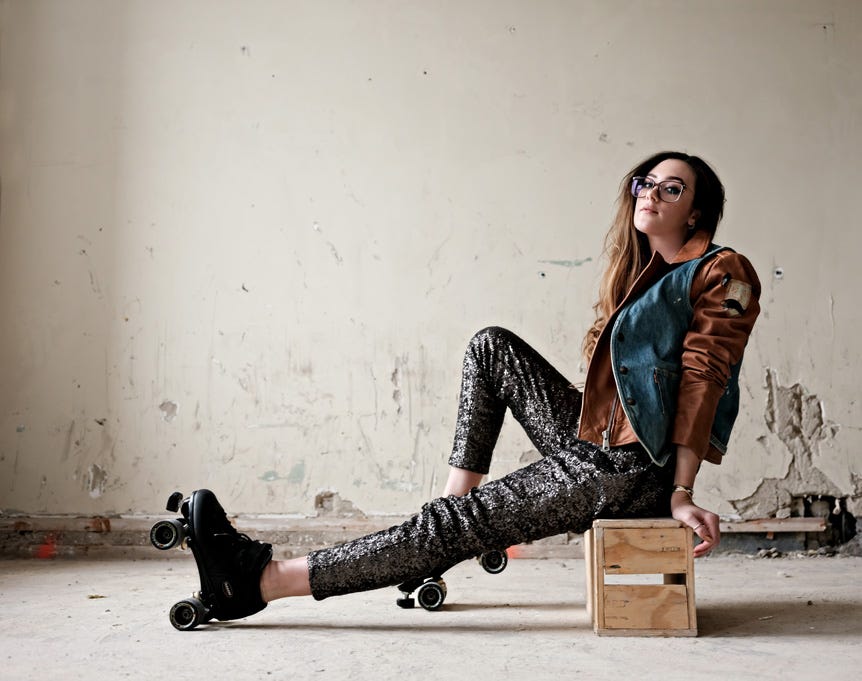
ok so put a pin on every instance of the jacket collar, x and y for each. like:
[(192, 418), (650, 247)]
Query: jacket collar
[(695, 247)]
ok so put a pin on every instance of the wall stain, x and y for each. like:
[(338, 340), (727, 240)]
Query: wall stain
[(332, 249), (528, 457), (395, 378), (295, 476), (297, 473), (568, 263)]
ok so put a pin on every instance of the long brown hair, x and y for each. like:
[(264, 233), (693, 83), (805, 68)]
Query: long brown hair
[(627, 249)]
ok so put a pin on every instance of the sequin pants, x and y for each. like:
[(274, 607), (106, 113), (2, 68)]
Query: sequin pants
[(573, 483)]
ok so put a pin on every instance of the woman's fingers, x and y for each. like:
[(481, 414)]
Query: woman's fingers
[(708, 531), (702, 522)]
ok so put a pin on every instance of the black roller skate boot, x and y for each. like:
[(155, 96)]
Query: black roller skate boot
[(229, 563)]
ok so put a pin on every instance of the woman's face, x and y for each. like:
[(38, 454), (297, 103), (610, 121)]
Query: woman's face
[(658, 219)]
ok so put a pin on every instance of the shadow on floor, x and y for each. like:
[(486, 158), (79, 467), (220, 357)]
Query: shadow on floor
[(777, 619), (780, 618)]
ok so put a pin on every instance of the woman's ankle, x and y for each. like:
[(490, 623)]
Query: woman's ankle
[(266, 581), (283, 578), (461, 481)]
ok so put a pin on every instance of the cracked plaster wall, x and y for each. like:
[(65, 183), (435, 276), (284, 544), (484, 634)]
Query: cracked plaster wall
[(796, 419), (244, 246)]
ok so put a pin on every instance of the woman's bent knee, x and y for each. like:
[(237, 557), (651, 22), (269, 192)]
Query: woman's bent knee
[(492, 334)]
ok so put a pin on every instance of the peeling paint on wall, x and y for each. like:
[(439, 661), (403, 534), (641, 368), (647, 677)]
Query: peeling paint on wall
[(329, 503), (796, 417), (170, 409), (97, 478)]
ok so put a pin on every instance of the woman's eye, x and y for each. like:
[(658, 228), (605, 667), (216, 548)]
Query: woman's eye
[(673, 189)]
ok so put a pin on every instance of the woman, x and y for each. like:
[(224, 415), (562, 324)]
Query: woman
[(672, 320)]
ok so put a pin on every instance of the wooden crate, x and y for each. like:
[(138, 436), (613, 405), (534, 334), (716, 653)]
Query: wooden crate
[(647, 546)]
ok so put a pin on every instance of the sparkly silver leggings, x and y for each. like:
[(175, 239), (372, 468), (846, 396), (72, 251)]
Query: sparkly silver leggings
[(573, 483)]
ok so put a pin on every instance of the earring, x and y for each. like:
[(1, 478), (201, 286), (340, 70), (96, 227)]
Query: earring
[(691, 226)]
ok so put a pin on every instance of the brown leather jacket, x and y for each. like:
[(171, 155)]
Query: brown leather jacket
[(719, 331)]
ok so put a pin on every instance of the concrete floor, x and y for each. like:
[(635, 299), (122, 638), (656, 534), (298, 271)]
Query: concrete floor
[(786, 618)]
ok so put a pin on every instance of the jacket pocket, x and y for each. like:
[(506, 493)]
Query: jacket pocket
[(667, 386)]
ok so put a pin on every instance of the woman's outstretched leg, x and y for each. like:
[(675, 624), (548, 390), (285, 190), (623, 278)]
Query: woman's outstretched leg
[(562, 492)]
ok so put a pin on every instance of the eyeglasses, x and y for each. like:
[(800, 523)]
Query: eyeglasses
[(669, 191)]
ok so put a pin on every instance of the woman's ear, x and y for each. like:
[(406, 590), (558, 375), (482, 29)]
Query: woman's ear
[(692, 218)]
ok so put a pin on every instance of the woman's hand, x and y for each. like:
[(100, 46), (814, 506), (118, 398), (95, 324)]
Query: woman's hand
[(703, 522)]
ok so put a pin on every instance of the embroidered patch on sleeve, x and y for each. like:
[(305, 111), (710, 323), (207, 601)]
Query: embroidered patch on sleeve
[(737, 296)]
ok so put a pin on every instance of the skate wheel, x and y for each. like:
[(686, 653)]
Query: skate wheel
[(166, 534), (494, 562), (432, 594), (187, 614)]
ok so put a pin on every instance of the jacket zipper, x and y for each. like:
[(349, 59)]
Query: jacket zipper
[(606, 434), (658, 387)]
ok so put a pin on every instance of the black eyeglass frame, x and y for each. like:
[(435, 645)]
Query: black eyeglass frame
[(642, 190)]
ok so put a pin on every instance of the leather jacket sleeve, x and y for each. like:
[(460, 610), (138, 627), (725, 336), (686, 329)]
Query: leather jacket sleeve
[(725, 297)]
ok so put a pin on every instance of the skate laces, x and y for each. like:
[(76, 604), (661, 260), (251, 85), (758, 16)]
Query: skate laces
[(235, 542), (233, 535), (244, 548)]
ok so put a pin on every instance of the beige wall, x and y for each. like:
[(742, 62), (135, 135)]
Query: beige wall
[(242, 244)]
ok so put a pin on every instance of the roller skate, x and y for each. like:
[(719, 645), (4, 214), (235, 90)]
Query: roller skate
[(431, 591), (229, 563)]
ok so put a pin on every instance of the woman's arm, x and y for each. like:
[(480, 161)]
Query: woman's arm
[(682, 507), (725, 303)]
